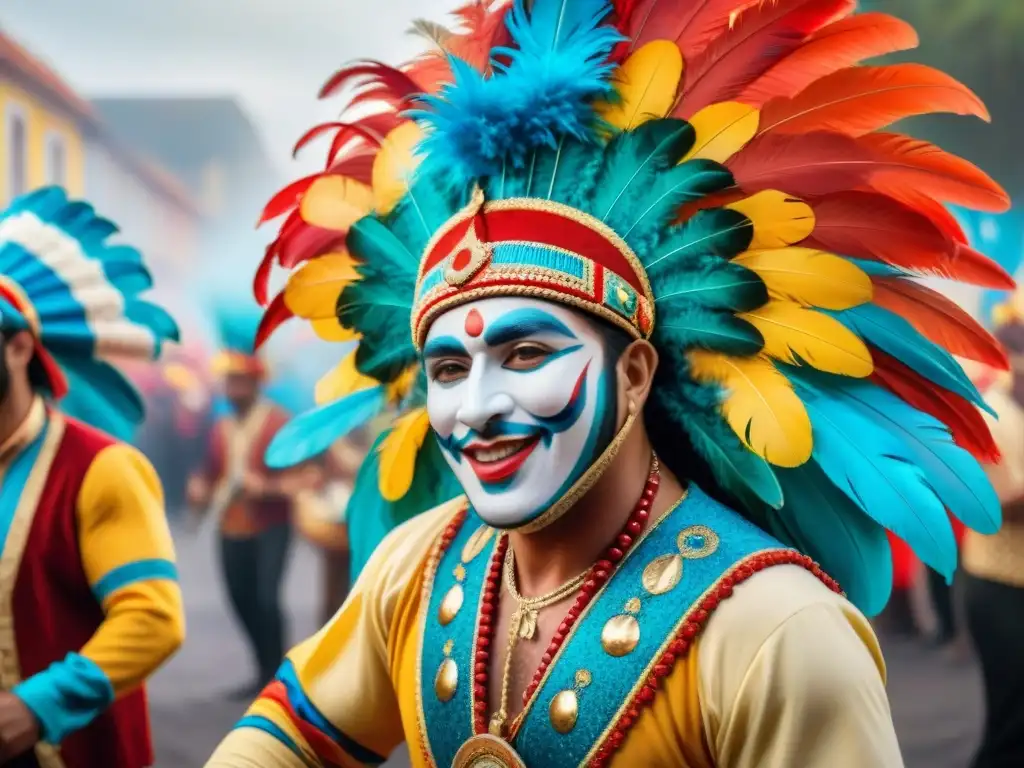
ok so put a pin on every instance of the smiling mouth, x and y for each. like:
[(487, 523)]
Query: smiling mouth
[(498, 461)]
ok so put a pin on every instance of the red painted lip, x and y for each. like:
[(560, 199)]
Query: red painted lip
[(502, 469)]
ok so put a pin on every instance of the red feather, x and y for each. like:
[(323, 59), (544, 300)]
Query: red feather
[(692, 24), (306, 243), (931, 209), (845, 43), (816, 164), (859, 100), (939, 320), (963, 419), (375, 81), (869, 225), (761, 36), (906, 162), (261, 280), (344, 132), (274, 316), (358, 167), (286, 199)]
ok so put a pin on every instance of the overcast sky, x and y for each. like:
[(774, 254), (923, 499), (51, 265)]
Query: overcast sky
[(272, 54)]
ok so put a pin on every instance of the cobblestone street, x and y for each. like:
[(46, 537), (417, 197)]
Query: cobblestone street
[(936, 703)]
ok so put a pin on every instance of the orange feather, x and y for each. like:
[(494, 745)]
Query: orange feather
[(761, 36), (939, 320), (869, 225), (859, 100), (692, 24), (842, 44), (906, 162), (964, 420)]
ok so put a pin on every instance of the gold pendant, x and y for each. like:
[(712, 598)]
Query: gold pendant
[(524, 621), (487, 751)]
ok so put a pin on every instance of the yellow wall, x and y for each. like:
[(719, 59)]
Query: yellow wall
[(40, 122)]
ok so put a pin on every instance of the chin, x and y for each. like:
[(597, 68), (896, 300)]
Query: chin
[(505, 513)]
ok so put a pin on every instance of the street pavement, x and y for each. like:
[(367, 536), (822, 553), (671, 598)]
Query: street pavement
[(936, 703)]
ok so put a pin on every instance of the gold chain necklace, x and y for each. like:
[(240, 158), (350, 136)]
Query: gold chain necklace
[(523, 626)]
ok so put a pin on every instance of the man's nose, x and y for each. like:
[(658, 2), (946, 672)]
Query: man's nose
[(481, 403)]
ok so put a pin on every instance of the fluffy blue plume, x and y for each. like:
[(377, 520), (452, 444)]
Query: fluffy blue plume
[(878, 471), (542, 89)]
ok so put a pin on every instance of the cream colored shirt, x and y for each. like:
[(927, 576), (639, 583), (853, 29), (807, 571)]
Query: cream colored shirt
[(1000, 557)]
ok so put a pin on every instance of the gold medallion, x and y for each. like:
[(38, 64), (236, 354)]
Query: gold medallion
[(662, 574), (564, 710), (697, 541), (476, 543), (447, 680), (620, 635), (487, 751), (450, 605)]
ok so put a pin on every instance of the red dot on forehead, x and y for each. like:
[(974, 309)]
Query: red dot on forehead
[(474, 323)]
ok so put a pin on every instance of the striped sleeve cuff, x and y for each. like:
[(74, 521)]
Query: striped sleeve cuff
[(132, 573)]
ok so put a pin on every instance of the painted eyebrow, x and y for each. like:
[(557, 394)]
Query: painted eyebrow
[(520, 323), (444, 346)]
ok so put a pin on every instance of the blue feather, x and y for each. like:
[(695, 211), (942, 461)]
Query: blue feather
[(872, 466), (898, 338), (313, 432), (825, 524), (955, 476), (543, 88)]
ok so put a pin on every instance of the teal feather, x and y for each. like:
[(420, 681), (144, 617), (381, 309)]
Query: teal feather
[(427, 205), (716, 232), (313, 432), (704, 328), (719, 284), (100, 395), (634, 160), (370, 517), (955, 476), (898, 338), (824, 523), (872, 466), (155, 318), (554, 173)]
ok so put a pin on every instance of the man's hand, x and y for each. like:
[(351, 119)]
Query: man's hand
[(198, 492), (19, 729), (255, 486)]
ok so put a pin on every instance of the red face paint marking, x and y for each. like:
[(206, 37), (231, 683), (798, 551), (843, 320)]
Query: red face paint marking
[(474, 323)]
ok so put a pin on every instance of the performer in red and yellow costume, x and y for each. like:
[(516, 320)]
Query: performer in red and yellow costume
[(649, 292), (89, 597), (245, 498)]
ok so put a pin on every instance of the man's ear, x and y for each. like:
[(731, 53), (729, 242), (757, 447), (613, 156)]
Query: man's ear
[(19, 349), (636, 368)]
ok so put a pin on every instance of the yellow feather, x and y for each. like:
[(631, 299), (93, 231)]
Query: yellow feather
[(810, 277), (394, 164), (398, 454), (342, 380), (335, 202), (779, 219), (329, 329), (312, 291), (647, 83), (759, 404), (722, 130), (797, 335), (400, 387)]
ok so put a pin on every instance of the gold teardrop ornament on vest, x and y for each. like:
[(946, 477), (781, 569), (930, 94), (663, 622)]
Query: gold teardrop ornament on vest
[(476, 543), (450, 605), (487, 751), (564, 710), (620, 635), (662, 574), (447, 680)]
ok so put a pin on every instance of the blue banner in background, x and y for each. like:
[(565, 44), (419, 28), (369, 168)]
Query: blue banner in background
[(1001, 238)]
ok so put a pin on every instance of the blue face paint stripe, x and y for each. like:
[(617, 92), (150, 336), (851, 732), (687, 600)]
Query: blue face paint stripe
[(557, 355), (444, 346), (523, 323)]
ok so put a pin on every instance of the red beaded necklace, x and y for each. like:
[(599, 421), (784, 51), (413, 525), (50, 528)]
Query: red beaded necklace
[(599, 574)]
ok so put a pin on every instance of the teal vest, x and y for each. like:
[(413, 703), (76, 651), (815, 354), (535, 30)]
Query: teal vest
[(639, 612)]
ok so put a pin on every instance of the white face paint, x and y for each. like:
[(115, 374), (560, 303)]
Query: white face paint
[(521, 395)]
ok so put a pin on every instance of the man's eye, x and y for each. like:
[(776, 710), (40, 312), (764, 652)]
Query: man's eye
[(527, 357), (447, 372)]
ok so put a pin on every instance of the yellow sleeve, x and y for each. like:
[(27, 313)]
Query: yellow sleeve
[(333, 702), (128, 558), (791, 674)]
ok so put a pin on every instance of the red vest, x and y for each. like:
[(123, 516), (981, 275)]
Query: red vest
[(55, 612)]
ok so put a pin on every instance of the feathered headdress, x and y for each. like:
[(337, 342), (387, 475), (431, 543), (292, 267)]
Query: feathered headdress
[(712, 175), (63, 280), (236, 320)]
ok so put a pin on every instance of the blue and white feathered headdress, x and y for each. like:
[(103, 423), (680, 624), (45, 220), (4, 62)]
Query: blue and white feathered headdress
[(79, 295)]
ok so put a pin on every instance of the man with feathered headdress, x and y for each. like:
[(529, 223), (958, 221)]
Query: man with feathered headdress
[(90, 600), (240, 494), (629, 300)]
